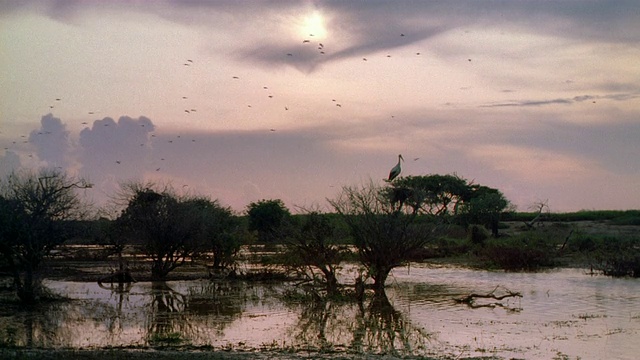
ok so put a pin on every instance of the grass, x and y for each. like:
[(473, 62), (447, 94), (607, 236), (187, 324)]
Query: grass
[(617, 217), (172, 338)]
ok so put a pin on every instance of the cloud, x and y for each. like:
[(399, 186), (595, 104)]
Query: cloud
[(307, 165), (575, 99), (119, 149), (359, 28), (51, 141), (596, 20), (9, 163)]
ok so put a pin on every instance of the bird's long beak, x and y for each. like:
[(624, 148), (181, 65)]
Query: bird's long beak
[(401, 157)]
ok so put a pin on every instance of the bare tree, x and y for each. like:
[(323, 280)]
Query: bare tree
[(386, 233), (35, 214), (312, 251), (541, 207)]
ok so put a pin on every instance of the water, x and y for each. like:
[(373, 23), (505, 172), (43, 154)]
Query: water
[(562, 313)]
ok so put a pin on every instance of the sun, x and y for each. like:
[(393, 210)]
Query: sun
[(313, 25)]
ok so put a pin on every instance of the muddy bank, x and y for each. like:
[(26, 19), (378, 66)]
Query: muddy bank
[(191, 354)]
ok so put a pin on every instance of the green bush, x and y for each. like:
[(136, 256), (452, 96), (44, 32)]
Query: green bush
[(619, 264), (617, 256), (525, 252), (444, 247)]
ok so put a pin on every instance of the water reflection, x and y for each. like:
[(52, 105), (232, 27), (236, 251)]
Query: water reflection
[(166, 319), (376, 327), (383, 329), (560, 312)]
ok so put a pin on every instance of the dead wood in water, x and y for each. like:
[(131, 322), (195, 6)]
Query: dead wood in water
[(470, 299)]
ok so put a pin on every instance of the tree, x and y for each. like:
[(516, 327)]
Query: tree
[(219, 231), (385, 233), (435, 195), (311, 248), (450, 199), (35, 212), (484, 206), (171, 229), (267, 218)]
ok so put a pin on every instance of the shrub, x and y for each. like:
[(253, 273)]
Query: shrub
[(617, 256), (525, 252)]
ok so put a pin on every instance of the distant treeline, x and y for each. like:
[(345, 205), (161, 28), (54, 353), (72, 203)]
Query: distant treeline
[(618, 217)]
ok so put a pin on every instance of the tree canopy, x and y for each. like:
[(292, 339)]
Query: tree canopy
[(172, 229), (267, 218), (35, 209)]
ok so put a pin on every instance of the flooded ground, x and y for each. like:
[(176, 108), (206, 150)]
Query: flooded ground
[(562, 313)]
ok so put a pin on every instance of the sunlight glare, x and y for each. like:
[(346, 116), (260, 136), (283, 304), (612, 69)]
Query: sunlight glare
[(313, 25)]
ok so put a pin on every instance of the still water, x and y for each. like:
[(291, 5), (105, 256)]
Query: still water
[(561, 314)]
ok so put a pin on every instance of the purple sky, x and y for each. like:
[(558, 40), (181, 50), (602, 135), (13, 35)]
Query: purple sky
[(250, 100)]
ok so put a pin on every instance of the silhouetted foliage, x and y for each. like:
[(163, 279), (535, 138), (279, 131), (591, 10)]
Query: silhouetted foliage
[(449, 199), (268, 219), (172, 229), (35, 213), (220, 230)]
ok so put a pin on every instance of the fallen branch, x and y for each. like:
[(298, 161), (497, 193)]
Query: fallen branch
[(470, 299)]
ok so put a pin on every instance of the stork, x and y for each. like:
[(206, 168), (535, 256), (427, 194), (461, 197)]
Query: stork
[(396, 169)]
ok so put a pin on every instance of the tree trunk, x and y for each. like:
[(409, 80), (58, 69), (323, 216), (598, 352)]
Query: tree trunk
[(158, 271), (332, 282), (26, 288), (379, 276)]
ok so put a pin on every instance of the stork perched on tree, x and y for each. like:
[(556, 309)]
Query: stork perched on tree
[(396, 169)]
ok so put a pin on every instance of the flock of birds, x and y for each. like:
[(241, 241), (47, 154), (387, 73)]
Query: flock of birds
[(189, 110)]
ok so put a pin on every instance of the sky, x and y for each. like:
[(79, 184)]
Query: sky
[(248, 100)]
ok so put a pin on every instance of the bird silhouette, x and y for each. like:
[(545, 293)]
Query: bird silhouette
[(396, 170)]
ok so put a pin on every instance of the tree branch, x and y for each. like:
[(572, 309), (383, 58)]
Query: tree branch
[(470, 299)]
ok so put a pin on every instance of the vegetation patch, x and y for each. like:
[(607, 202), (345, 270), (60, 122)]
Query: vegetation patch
[(525, 252)]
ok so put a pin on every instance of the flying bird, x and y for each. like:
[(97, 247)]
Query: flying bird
[(396, 170)]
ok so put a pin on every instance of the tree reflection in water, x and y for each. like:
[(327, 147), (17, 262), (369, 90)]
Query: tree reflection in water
[(217, 304), (348, 325), (115, 322), (383, 329), (200, 316), (166, 318), (47, 324)]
